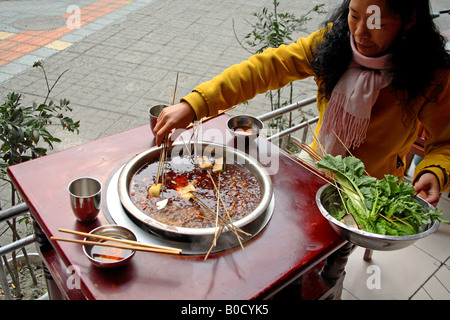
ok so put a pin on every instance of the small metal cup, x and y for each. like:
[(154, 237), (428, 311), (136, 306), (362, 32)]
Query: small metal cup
[(85, 198), (154, 113)]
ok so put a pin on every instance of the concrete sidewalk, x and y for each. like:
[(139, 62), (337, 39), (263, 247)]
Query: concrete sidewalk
[(125, 61)]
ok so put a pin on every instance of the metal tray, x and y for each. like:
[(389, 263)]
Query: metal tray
[(116, 214)]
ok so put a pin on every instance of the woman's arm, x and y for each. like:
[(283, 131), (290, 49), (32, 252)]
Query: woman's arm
[(270, 70), (435, 117)]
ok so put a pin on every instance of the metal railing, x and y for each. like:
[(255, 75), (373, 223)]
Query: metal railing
[(290, 108), (8, 214)]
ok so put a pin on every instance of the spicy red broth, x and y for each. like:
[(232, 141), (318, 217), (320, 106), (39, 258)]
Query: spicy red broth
[(239, 191)]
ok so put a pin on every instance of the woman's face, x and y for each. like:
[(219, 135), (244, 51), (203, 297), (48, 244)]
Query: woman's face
[(373, 26)]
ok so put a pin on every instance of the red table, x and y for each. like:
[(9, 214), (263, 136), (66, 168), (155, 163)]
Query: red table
[(295, 241)]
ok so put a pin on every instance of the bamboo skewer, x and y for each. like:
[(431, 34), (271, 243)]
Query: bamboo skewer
[(226, 211), (322, 149), (216, 233), (231, 226), (123, 241), (194, 139), (386, 218), (164, 151), (349, 152), (308, 150), (220, 222), (406, 223), (307, 166)]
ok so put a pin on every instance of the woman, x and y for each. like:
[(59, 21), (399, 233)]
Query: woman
[(381, 68)]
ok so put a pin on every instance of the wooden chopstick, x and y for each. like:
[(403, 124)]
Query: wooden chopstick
[(113, 245), (123, 241)]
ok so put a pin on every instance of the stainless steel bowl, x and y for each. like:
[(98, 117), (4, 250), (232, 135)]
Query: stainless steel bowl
[(206, 148), (111, 257), (367, 239), (244, 121)]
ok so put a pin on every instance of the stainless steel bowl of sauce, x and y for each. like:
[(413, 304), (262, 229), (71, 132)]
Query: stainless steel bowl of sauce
[(109, 257), (245, 126)]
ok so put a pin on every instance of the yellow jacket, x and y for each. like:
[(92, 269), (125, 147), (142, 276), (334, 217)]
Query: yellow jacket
[(387, 140)]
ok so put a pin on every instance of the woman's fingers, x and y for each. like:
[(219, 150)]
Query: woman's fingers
[(173, 117)]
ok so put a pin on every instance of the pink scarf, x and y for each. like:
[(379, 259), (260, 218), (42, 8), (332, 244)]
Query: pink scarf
[(348, 111)]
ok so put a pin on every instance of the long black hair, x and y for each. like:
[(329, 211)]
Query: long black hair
[(417, 55)]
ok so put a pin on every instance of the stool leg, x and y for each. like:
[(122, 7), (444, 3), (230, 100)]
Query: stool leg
[(367, 255)]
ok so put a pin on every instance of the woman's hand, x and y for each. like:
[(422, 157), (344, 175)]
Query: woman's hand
[(427, 187), (173, 117)]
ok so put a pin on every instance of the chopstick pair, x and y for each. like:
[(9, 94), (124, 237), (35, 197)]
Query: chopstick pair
[(122, 243)]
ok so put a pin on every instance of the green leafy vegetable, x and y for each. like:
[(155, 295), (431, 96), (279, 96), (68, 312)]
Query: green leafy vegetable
[(385, 206)]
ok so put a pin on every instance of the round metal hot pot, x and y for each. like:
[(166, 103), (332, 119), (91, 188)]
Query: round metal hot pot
[(211, 150)]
